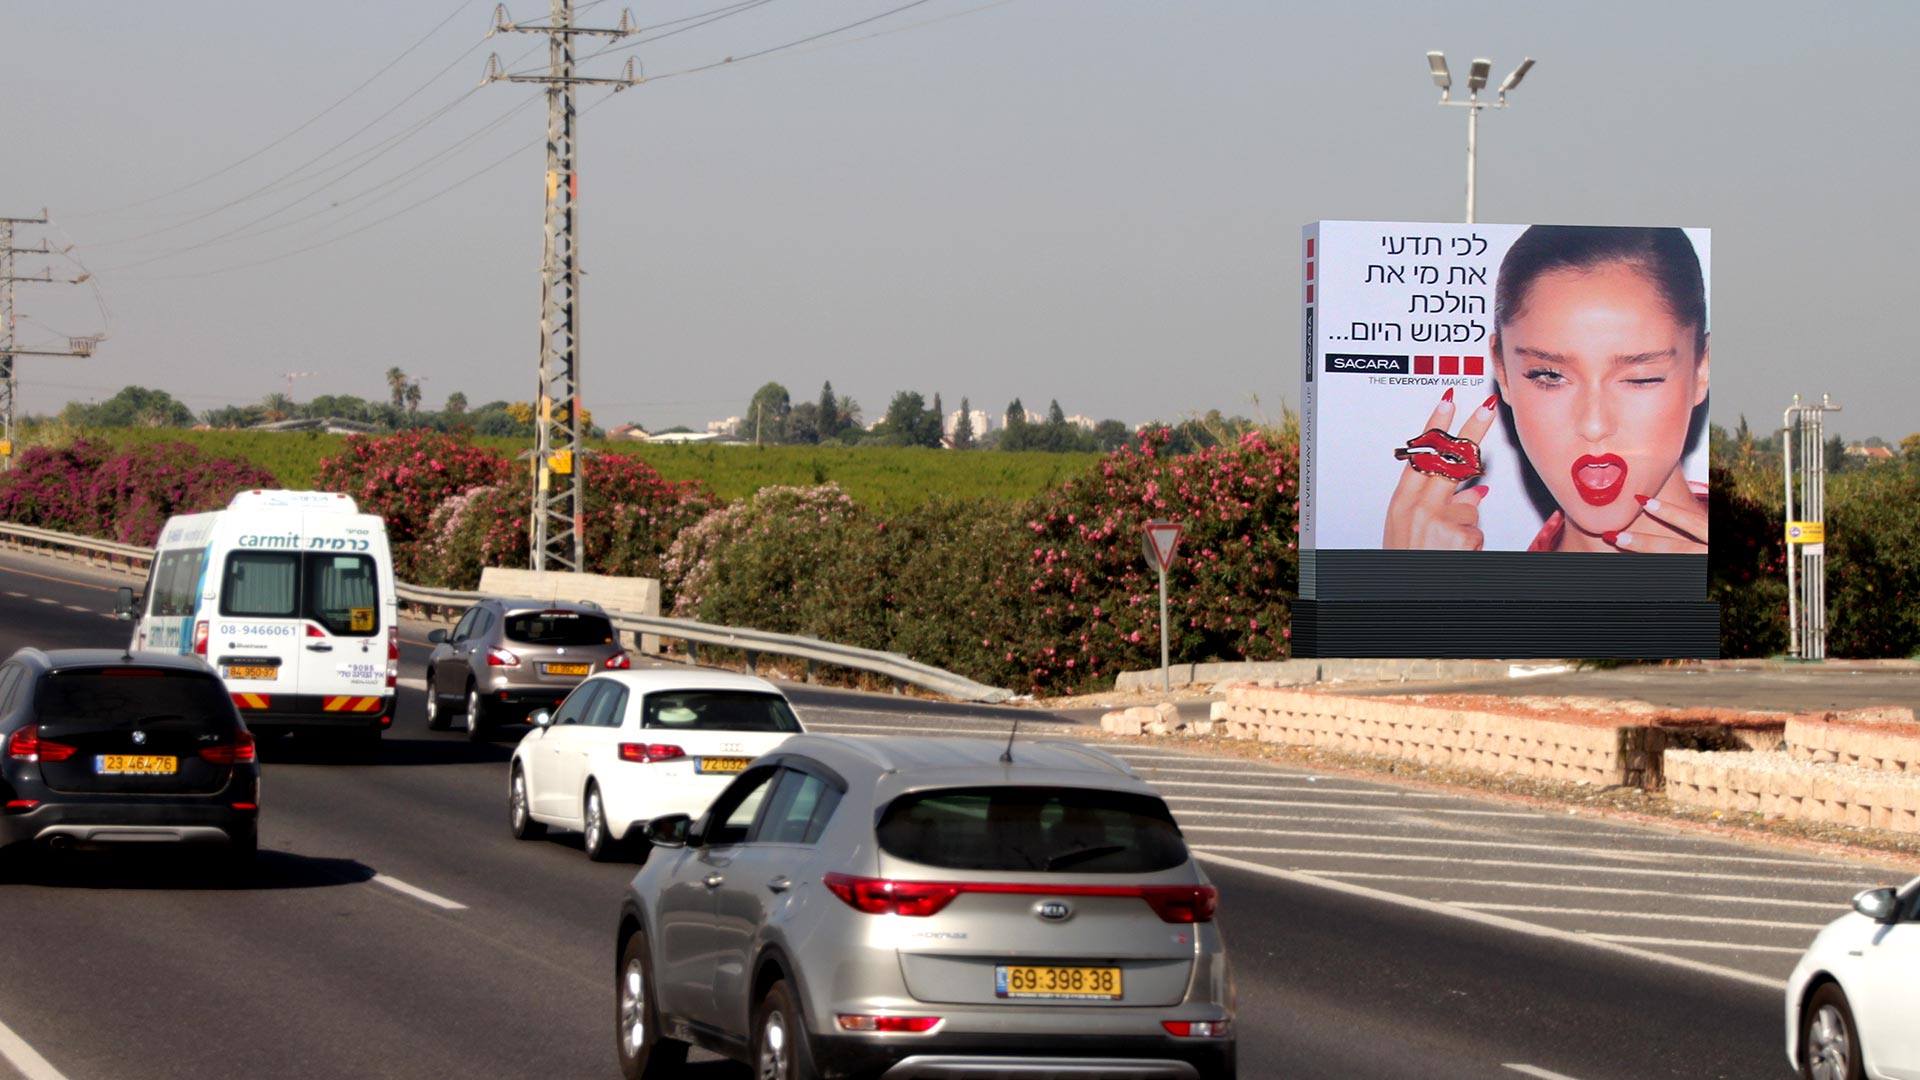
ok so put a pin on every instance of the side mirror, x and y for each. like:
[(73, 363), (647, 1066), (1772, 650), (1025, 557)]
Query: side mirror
[(670, 831), (123, 604), (435, 637), (1877, 904), (541, 718)]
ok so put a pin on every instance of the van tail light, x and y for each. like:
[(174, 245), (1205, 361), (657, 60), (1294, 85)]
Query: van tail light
[(619, 661), (25, 744), (393, 657), (645, 753), (238, 752), (501, 658), (200, 638), (1198, 1029), (911, 1024), (878, 896)]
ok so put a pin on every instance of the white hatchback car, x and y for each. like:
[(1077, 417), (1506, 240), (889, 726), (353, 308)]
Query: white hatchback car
[(1853, 1003), (626, 747)]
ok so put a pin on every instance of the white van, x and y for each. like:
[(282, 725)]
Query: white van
[(289, 595)]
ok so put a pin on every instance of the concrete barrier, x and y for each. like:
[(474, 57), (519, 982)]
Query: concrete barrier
[(1890, 745), (1788, 785)]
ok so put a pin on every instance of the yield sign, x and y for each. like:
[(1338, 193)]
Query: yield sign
[(1161, 538)]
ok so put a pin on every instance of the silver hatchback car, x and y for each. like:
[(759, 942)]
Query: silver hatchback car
[(926, 909)]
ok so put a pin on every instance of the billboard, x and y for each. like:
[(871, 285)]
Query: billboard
[(1502, 393)]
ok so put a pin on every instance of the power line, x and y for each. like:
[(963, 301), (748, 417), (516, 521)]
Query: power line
[(779, 48), (310, 121)]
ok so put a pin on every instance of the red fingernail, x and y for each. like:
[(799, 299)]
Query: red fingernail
[(1448, 396), (1483, 491), (1610, 535), (1642, 498), (1488, 404)]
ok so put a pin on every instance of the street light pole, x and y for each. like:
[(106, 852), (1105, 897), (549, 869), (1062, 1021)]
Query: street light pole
[(1476, 81)]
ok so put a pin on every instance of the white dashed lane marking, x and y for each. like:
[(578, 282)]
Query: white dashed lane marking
[(418, 893), (25, 1058), (1592, 890)]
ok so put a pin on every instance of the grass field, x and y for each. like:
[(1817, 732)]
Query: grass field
[(881, 478)]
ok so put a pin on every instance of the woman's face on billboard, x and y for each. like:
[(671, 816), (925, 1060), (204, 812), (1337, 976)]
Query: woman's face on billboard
[(1602, 382)]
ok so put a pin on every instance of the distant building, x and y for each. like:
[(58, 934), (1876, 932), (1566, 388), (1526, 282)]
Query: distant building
[(332, 425), (1084, 423), (1872, 455), (633, 432), (723, 427), (982, 423), (689, 437)]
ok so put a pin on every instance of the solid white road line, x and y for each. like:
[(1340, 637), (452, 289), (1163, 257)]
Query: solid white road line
[(418, 893), (1536, 1071), (1601, 890), (1496, 921), (25, 1058), (1443, 841), (1319, 853), (1314, 805), (1684, 943), (1711, 920), (1326, 789)]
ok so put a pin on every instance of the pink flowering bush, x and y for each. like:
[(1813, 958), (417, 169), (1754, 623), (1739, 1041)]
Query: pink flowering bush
[(477, 528), (633, 515), (1091, 603), (47, 486), (405, 477), (87, 488)]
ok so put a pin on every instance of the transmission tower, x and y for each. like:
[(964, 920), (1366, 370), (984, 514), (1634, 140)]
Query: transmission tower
[(81, 346), (558, 526)]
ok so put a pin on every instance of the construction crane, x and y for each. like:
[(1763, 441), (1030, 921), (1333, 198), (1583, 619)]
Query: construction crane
[(292, 375)]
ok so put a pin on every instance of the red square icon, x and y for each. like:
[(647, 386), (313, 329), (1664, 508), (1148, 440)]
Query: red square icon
[(1309, 269), (1309, 292), (1449, 365), (1309, 247), (1423, 365), (1475, 365)]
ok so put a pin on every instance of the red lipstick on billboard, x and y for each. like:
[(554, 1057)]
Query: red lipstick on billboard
[(1600, 480), (1440, 454)]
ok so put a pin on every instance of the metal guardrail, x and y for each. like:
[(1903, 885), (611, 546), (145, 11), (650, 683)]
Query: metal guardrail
[(751, 642)]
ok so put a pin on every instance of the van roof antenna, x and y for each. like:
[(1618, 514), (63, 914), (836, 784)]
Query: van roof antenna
[(1007, 754)]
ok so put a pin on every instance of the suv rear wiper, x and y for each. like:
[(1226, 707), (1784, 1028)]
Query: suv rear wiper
[(1080, 855)]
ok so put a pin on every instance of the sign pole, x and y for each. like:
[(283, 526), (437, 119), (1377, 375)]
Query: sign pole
[(1158, 542), (1166, 671)]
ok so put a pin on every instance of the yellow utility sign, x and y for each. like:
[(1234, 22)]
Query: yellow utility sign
[(1806, 532)]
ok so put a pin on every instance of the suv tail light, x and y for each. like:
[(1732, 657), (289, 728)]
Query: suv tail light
[(238, 752), (877, 896), (645, 753), (619, 661), (502, 658), (393, 657), (25, 744), (1198, 1029), (200, 637)]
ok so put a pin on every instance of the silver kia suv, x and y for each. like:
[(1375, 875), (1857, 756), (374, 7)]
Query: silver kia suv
[(926, 909), (505, 658)]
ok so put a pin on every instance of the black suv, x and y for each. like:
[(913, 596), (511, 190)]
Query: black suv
[(99, 747)]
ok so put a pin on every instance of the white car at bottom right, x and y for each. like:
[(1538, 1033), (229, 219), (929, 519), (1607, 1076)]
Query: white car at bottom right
[(1853, 1001)]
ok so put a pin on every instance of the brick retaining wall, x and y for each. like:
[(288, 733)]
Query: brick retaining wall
[(1790, 786)]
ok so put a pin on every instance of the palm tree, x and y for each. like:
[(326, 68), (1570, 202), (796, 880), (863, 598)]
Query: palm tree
[(413, 395), (397, 386)]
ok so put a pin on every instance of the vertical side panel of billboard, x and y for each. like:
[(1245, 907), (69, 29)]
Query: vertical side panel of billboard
[(1309, 387)]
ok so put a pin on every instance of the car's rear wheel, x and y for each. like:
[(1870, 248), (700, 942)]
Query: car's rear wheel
[(645, 1054), (600, 844), (1829, 1042), (437, 719), (519, 810), (780, 1038), (479, 724)]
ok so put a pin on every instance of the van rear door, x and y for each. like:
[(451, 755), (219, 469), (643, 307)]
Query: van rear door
[(255, 636), (344, 647)]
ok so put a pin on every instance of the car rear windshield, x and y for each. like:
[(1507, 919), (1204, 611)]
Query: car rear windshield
[(558, 628), (718, 710), (340, 592), (1030, 829), (108, 696)]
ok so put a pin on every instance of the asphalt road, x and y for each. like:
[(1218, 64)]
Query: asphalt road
[(395, 929)]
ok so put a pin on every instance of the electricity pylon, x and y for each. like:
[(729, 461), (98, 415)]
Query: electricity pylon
[(558, 525), (80, 346)]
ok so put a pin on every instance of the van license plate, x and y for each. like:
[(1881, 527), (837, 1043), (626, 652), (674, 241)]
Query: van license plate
[(136, 764), (723, 764), (568, 669), (252, 671), (1026, 981)]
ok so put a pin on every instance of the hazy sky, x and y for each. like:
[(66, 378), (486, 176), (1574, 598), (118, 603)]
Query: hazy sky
[(1097, 201)]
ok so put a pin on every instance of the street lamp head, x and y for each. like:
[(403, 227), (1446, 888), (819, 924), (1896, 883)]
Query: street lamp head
[(1519, 73), (1437, 61), (1477, 75)]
